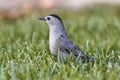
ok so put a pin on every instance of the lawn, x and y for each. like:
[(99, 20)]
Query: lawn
[(24, 47)]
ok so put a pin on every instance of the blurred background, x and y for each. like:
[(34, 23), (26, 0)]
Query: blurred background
[(17, 8)]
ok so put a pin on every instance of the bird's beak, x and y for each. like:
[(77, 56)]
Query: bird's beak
[(41, 18)]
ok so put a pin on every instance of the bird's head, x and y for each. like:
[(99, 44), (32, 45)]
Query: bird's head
[(52, 20)]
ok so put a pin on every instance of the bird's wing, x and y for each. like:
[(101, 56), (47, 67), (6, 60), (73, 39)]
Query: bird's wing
[(67, 46)]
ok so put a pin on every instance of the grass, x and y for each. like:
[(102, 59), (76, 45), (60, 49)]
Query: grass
[(25, 55)]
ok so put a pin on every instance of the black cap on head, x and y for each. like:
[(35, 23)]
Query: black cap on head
[(56, 16)]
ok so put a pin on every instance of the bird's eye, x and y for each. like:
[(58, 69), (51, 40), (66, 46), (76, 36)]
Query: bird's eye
[(48, 18)]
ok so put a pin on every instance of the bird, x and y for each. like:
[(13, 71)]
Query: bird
[(59, 40)]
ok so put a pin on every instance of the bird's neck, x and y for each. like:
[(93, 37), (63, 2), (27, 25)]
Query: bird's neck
[(56, 31)]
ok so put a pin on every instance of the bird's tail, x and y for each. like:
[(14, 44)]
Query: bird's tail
[(88, 59)]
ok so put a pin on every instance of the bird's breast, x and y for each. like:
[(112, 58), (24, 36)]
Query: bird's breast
[(53, 45), (53, 39)]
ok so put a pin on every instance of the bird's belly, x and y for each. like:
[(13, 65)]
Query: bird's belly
[(54, 50), (53, 47)]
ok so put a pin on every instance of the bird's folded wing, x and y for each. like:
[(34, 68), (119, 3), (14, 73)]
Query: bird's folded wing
[(67, 46)]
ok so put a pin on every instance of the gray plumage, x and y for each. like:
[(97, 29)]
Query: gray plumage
[(58, 39)]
